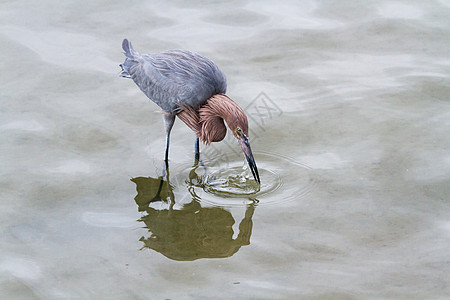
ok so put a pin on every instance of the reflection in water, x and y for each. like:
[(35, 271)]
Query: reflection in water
[(191, 232)]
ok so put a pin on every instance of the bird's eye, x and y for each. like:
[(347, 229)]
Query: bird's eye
[(238, 130)]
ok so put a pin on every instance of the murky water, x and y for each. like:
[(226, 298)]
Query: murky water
[(348, 105)]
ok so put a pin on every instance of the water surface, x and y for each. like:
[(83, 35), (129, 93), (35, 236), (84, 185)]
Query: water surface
[(348, 105)]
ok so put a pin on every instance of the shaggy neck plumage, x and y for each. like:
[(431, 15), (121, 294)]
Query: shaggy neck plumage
[(208, 123)]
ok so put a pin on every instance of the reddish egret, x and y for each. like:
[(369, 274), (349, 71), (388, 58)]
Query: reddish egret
[(192, 87)]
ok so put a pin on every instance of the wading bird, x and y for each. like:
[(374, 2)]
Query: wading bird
[(192, 87)]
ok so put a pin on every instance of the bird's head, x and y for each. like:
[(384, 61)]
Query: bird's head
[(239, 127), (221, 108)]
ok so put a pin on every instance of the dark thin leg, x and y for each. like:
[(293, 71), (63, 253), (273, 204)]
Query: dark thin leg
[(197, 149), (166, 156), (197, 156), (169, 119)]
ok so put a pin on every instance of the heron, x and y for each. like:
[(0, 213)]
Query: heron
[(189, 86)]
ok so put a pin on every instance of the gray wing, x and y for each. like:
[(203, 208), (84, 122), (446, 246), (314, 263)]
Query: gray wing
[(174, 77)]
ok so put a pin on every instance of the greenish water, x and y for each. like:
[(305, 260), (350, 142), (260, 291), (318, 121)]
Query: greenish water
[(349, 114)]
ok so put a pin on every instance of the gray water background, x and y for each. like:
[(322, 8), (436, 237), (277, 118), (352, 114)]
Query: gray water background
[(357, 134)]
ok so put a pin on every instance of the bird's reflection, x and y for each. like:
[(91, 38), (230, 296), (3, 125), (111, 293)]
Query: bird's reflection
[(192, 232)]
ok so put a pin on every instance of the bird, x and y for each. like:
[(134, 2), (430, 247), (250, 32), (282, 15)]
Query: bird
[(189, 86)]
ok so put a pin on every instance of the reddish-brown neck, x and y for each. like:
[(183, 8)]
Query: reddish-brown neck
[(207, 121)]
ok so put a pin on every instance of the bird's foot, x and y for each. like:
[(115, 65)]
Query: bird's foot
[(198, 162)]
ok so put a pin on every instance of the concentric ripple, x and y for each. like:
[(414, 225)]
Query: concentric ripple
[(230, 182), (237, 181)]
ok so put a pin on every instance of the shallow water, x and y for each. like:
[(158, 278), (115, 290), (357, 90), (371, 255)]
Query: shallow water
[(349, 113)]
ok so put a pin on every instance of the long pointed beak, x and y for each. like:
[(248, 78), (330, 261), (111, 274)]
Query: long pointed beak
[(245, 145)]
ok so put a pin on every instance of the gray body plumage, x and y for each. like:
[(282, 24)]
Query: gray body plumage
[(179, 79), (173, 77)]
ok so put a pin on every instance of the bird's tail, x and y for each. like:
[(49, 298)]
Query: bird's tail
[(129, 50), (131, 56)]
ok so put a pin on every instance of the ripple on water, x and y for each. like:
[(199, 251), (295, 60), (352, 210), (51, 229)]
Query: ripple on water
[(237, 181), (230, 183)]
